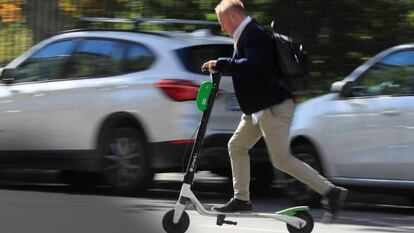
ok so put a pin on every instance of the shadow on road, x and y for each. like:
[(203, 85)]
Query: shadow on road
[(377, 217)]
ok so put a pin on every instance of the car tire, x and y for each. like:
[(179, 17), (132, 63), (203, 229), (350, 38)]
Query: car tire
[(296, 190), (125, 161)]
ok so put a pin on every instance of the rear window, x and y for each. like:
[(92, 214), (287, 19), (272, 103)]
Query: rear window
[(194, 57), (138, 58)]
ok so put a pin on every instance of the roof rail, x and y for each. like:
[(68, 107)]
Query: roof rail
[(112, 30), (138, 21)]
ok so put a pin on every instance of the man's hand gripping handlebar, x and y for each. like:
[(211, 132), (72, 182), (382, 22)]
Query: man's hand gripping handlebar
[(210, 66)]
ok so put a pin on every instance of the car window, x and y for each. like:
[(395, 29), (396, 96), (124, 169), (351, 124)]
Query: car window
[(138, 58), (46, 64), (96, 58), (194, 57), (393, 75)]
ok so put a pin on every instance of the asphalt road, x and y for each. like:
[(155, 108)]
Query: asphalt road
[(43, 205)]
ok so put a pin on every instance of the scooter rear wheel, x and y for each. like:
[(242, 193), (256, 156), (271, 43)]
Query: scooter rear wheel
[(309, 223), (170, 227)]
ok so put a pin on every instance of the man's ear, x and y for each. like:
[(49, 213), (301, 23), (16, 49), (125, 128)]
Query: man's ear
[(234, 21), (233, 17)]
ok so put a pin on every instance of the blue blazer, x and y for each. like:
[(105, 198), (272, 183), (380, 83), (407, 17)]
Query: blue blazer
[(254, 71)]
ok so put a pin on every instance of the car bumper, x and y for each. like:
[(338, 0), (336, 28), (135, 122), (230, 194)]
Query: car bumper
[(173, 157)]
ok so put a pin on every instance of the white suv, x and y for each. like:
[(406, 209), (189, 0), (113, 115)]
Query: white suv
[(362, 133), (116, 103)]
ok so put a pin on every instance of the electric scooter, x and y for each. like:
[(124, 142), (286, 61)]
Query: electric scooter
[(297, 219)]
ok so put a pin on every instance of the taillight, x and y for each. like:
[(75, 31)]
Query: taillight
[(179, 90), (185, 141)]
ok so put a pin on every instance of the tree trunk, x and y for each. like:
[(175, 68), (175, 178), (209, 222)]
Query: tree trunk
[(44, 18)]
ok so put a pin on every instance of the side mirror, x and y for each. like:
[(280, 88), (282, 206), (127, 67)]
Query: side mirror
[(8, 75), (344, 89)]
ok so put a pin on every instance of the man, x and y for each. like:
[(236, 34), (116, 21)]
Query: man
[(267, 111)]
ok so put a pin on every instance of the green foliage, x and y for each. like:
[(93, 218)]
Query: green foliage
[(338, 34), (15, 39)]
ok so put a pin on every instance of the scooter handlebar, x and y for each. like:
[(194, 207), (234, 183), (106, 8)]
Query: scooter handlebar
[(214, 75), (212, 70)]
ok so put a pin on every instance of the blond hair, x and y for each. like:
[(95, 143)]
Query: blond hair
[(226, 5)]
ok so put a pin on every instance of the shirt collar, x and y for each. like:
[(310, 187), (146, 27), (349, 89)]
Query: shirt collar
[(240, 29)]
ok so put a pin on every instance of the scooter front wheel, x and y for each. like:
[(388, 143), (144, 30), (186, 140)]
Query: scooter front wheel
[(170, 227), (309, 223)]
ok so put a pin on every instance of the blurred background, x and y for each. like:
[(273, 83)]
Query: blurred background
[(338, 34)]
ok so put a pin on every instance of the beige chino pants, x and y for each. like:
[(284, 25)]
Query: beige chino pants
[(273, 125)]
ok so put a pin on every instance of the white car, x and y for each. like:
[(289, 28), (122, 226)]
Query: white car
[(362, 133), (116, 103)]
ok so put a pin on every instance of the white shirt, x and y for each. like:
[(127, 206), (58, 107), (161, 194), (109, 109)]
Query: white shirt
[(239, 30), (236, 35)]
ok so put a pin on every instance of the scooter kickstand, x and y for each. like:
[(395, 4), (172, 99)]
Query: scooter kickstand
[(221, 220)]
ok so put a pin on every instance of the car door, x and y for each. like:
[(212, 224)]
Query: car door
[(95, 84), (67, 106), (22, 104), (400, 111), (373, 126)]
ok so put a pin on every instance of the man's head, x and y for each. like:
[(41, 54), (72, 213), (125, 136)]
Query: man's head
[(230, 14)]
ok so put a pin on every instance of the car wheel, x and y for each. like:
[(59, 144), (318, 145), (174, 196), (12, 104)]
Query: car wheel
[(296, 190), (125, 159)]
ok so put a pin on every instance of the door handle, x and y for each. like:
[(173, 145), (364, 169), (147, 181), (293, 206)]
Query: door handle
[(391, 112)]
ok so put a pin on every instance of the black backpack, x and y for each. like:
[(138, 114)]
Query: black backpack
[(292, 62)]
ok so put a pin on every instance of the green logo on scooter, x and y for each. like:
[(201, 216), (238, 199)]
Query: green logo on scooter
[(203, 95)]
